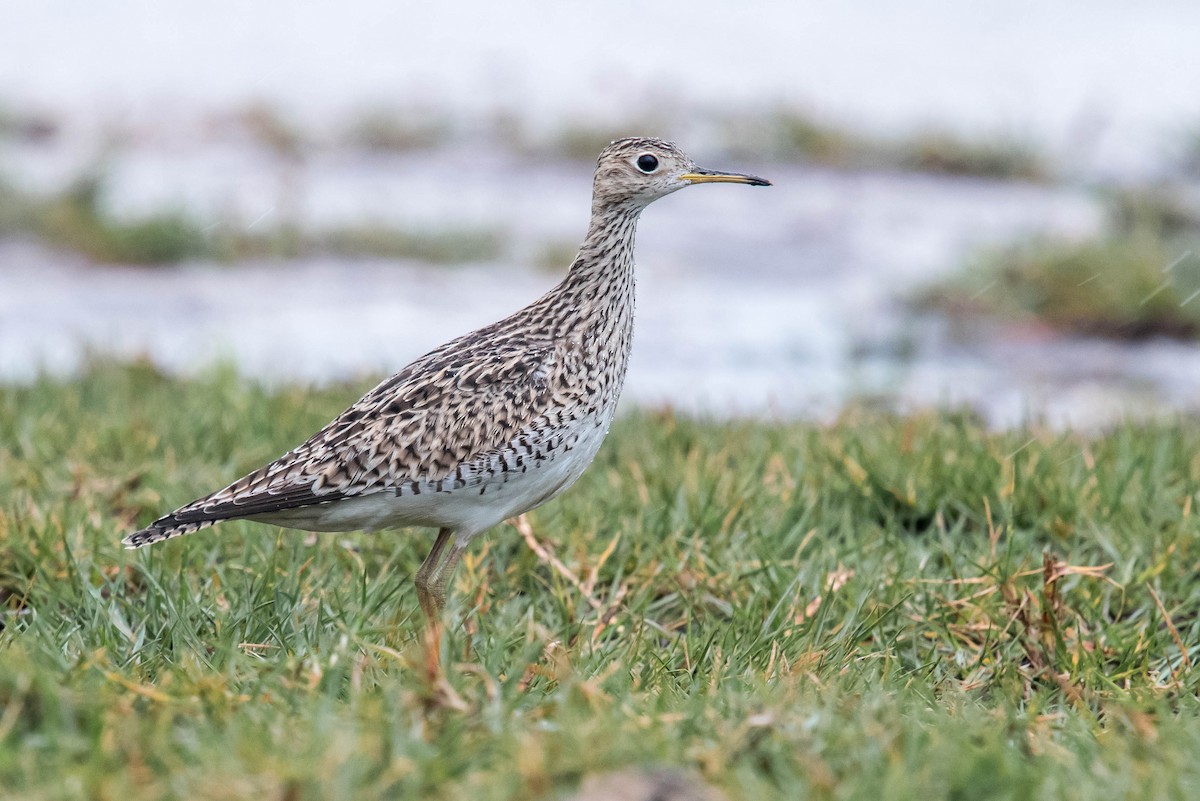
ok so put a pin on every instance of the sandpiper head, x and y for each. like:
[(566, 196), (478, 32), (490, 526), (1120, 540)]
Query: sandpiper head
[(641, 169)]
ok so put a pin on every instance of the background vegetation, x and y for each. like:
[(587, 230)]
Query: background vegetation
[(1139, 279), (884, 607)]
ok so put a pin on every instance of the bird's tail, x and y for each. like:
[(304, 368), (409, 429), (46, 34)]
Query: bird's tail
[(164, 529)]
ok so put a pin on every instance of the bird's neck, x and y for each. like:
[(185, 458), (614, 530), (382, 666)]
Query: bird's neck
[(603, 268), (593, 306), (590, 314)]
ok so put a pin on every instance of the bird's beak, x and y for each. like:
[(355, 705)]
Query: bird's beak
[(711, 177)]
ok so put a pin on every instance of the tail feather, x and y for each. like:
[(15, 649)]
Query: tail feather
[(164, 529)]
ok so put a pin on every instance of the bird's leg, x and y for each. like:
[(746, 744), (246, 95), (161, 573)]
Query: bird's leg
[(432, 605), (432, 598), (433, 593), (445, 571), (432, 579)]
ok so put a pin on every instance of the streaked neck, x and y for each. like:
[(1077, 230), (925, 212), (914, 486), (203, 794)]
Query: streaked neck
[(605, 259)]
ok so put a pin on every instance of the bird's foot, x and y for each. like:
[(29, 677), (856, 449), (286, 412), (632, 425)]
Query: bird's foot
[(438, 693)]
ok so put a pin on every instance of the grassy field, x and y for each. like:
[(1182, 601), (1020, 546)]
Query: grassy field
[(882, 608)]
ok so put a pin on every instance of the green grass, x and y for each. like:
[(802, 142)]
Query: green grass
[(793, 135), (882, 608), (1140, 279), (784, 133), (77, 220)]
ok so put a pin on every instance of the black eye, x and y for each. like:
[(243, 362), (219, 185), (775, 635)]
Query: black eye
[(647, 163)]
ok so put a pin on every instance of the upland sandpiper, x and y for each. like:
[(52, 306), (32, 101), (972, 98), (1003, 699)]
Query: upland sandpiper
[(489, 425)]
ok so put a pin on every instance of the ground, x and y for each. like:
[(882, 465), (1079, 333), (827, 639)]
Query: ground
[(881, 608)]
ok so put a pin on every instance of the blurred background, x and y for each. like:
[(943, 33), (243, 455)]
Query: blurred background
[(990, 207)]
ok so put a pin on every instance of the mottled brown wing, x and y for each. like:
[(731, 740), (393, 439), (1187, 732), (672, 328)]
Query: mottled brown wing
[(459, 403)]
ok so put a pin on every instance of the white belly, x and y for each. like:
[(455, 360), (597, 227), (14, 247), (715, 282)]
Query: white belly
[(467, 510)]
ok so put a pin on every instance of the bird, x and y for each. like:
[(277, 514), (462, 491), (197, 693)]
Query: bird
[(487, 426)]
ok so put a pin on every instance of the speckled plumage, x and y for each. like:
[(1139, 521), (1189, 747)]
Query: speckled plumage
[(490, 424)]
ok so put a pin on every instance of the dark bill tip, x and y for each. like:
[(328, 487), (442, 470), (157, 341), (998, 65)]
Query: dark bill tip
[(714, 177)]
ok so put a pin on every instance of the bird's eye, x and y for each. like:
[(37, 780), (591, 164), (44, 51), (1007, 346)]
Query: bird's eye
[(647, 163)]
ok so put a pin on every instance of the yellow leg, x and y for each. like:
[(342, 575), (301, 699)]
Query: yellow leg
[(426, 579), (432, 579)]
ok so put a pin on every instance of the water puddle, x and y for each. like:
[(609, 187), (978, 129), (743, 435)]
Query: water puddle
[(781, 301)]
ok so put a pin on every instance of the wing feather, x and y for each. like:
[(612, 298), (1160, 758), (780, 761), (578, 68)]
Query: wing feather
[(457, 405)]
